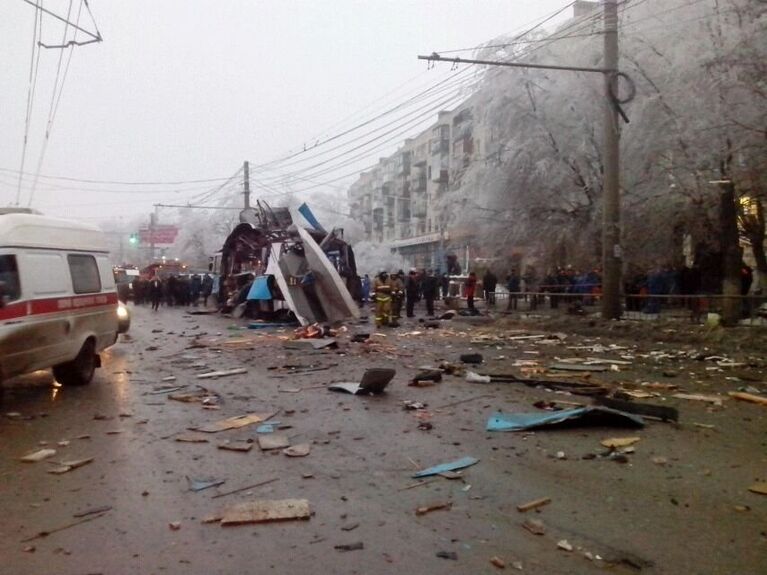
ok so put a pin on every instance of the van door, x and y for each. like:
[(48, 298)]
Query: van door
[(47, 327), (95, 301), (16, 352)]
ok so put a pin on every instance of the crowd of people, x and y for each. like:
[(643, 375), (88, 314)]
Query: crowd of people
[(391, 291), (173, 290)]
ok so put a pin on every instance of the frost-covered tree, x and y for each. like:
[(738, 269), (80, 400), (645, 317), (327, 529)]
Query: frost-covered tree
[(698, 116)]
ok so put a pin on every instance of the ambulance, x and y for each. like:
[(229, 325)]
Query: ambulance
[(58, 301)]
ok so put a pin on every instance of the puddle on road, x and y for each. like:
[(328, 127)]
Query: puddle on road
[(40, 392)]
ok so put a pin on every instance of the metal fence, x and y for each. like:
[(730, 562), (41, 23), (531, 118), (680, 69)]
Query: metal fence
[(694, 308)]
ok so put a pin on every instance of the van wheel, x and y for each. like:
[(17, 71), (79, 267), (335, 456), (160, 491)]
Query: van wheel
[(80, 370)]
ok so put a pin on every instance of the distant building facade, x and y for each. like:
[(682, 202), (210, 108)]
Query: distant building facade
[(397, 200)]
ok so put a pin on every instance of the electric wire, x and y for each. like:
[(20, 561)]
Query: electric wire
[(34, 66), (49, 124), (419, 111), (122, 182), (290, 175)]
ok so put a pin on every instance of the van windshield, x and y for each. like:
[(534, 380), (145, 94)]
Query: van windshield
[(10, 289)]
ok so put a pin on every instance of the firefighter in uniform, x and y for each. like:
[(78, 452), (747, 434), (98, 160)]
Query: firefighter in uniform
[(382, 288)]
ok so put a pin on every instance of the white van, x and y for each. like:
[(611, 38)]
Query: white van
[(58, 301)]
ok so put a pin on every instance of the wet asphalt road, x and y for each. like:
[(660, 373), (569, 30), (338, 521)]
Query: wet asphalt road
[(639, 517)]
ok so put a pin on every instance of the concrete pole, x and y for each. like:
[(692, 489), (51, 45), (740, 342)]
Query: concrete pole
[(152, 224), (246, 184), (612, 254)]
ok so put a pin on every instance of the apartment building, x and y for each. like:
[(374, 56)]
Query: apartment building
[(397, 200)]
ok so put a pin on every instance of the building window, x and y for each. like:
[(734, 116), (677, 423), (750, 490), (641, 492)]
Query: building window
[(85, 273)]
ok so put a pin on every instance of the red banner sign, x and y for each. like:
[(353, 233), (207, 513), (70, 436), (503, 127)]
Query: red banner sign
[(159, 235)]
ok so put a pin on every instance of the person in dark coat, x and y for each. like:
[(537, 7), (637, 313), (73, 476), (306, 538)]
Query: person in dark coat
[(489, 283), (430, 291), (207, 288), (155, 292), (513, 285), (411, 293), (195, 287)]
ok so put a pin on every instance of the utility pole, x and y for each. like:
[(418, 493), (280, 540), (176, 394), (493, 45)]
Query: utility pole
[(246, 184), (612, 253), (152, 222)]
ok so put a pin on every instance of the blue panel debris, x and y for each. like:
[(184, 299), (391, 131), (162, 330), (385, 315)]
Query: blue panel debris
[(443, 467), (581, 416), (260, 289), (309, 217)]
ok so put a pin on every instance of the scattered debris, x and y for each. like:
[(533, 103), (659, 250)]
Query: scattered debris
[(93, 511), (41, 534), (412, 405), (760, 488), (750, 397), (191, 438), (471, 358), (472, 377), (241, 446), (38, 455), (659, 460), (350, 546), (617, 442), (715, 399), (224, 373), (298, 450), (452, 466), (582, 416), (246, 488), (535, 526), (565, 544), (427, 375), (264, 510), (498, 562), (452, 555), (661, 412), (324, 343), (373, 381), (66, 466), (535, 504), (273, 441), (423, 510), (174, 525), (201, 484), (236, 422), (578, 367)]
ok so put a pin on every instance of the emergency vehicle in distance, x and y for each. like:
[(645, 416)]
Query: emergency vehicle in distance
[(58, 301)]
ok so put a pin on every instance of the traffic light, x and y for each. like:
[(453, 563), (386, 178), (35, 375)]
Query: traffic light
[(133, 240)]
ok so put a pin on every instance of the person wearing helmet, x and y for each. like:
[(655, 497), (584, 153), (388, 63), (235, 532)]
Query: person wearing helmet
[(382, 289)]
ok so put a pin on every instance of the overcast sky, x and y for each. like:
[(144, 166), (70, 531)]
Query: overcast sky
[(187, 89)]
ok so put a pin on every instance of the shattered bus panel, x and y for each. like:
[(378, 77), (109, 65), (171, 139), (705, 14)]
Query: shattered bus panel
[(303, 279)]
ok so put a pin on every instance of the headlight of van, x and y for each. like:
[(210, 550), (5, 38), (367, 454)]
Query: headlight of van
[(123, 318)]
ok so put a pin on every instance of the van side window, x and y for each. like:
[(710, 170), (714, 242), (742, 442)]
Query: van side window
[(85, 273), (10, 288)]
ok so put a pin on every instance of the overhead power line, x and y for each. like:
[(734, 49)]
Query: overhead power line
[(97, 36), (34, 66), (123, 182)]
